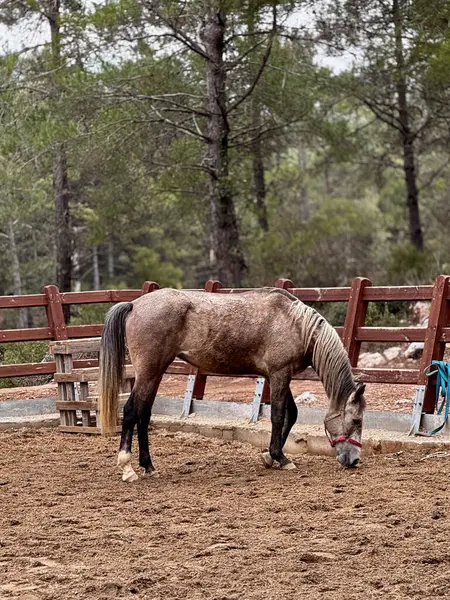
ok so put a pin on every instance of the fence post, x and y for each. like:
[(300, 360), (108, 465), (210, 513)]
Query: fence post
[(284, 284), (149, 286), (434, 348), (64, 362), (198, 391), (55, 313), (212, 285), (355, 317)]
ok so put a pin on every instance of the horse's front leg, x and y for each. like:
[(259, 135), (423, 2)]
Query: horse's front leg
[(290, 417), (279, 389)]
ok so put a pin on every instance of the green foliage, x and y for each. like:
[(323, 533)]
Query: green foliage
[(386, 314), (8, 382), (407, 265), (147, 266), (338, 242), (379, 314), (334, 312), (89, 314), (20, 353), (132, 113), (23, 352)]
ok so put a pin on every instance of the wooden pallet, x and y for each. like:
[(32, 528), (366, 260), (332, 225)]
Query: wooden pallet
[(77, 403)]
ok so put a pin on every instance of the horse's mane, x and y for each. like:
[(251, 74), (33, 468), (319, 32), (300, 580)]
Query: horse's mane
[(329, 358)]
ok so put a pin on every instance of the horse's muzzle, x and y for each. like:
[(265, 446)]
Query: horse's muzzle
[(348, 455)]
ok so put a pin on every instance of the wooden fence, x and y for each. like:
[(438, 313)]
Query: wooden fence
[(353, 333)]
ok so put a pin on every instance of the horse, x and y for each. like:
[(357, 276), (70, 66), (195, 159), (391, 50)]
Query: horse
[(266, 332)]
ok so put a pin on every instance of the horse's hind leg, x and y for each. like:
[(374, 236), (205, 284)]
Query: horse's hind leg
[(137, 410), (144, 412), (124, 458), (290, 417), (279, 388)]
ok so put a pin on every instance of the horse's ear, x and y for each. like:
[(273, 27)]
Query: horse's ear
[(360, 388)]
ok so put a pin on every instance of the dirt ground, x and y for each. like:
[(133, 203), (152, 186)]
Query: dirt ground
[(216, 525), (239, 389)]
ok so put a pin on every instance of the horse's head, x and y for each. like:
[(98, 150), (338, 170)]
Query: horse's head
[(344, 427)]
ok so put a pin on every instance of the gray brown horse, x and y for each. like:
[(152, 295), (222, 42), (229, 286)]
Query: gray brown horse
[(265, 332)]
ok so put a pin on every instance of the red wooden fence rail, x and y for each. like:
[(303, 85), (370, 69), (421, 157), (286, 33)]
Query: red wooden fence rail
[(353, 333)]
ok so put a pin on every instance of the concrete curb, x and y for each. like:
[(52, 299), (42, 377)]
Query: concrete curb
[(384, 432), (306, 439), (27, 407), (30, 421), (303, 439)]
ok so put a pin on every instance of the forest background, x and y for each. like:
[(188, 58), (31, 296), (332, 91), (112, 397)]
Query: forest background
[(243, 141)]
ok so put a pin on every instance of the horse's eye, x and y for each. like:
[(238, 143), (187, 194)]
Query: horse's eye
[(357, 422)]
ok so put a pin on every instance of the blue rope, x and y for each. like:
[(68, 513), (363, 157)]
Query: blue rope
[(442, 390)]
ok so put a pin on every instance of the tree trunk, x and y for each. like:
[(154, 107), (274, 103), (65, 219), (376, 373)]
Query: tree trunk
[(110, 261), (212, 257), (259, 176), (60, 180), (95, 269), (76, 271), (259, 179), (327, 178), (228, 254), (63, 226), (15, 268), (304, 195), (407, 137)]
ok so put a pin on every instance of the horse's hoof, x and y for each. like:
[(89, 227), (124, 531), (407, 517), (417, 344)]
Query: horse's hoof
[(267, 460), (150, 473), (129, 475), (290, 466)]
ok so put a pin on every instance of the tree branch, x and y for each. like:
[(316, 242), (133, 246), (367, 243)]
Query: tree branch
[(264, 60), (180, 127), (231, 65), (177, 105), (382, 115), (176, 33), (261, 133), (434, 175)]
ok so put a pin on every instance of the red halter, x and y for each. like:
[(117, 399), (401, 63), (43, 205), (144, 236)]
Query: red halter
[(344, 438), (341, 438)]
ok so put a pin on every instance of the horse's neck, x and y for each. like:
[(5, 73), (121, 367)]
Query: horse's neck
[(330, 361)]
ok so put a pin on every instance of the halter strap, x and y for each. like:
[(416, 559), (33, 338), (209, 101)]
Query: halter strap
[(344, 438), (341, 438)]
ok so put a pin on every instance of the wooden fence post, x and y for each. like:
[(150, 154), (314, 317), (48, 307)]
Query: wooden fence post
[(355, 317), (64, 362), (149, 286), (198, 391), (213, 285), (284, 284), (55, 313), (434, 348)]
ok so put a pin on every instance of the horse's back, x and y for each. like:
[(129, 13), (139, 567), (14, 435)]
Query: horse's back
[(222, 333), (226, 313)]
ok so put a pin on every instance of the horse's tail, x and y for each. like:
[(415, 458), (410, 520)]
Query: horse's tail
[(112, 358)]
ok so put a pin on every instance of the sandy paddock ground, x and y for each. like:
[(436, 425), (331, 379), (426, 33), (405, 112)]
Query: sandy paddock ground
[(216, 525)]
